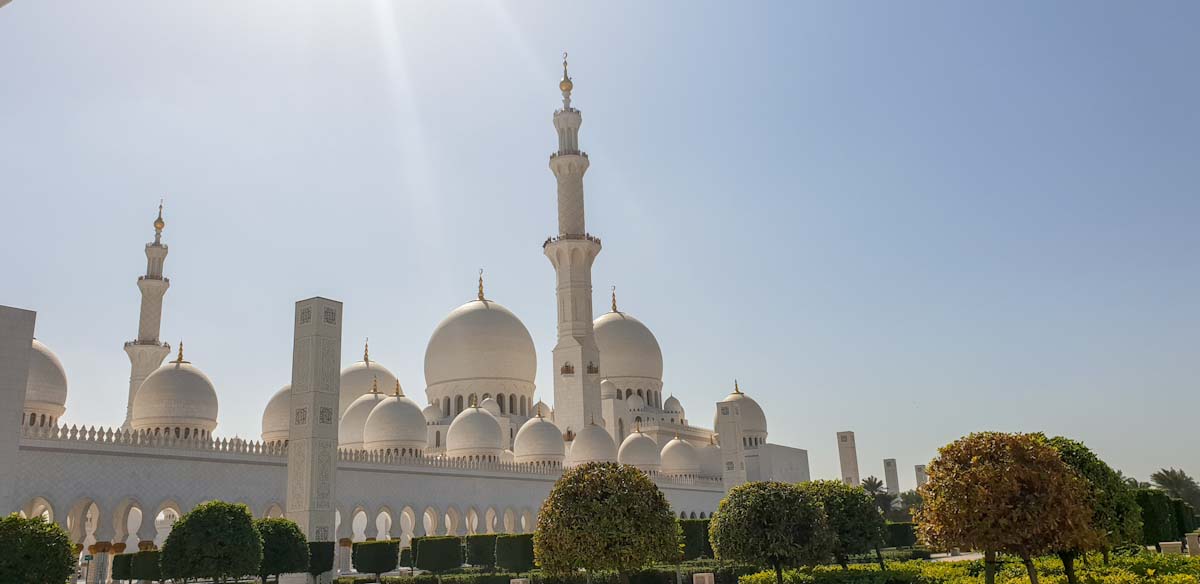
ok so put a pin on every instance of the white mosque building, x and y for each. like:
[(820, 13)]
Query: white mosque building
[(477, 454)]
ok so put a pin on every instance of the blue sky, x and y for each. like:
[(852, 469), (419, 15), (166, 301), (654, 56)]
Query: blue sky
[(910, 220)]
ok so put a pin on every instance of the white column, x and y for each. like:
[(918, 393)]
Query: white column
[(891, 476), (922, 478), (733, 458), (312, 437), (848, 456), (16, 342)]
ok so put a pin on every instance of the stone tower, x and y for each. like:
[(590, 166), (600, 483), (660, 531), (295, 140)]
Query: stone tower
[(313, 423), (848, 456), (576, 356), (16, 338), (891, 476), (146, 353)]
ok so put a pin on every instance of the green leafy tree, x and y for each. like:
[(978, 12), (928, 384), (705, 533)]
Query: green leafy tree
[(1009, 493), (771, 524), (215, 541), (514, 552), (1177, 484), (855, 521), (285, 549), (376, 557), (604, 516), (144, 566), (1115, 512), (34, 551), (1158, 516)]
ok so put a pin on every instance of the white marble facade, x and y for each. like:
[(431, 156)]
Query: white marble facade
[(477, 454)]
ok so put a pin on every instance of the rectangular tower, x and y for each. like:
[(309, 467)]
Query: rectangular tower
[(313, 433), (16, 342), (891, 476), (922, 478), (733, 457), (848, 456)]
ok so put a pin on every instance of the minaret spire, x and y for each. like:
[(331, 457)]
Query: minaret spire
[(572, 252), (614, 299), (481, 284), (146, 352)]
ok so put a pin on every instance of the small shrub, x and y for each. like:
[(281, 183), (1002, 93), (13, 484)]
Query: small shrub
[(439, 554), (144, 566), (481, 550), (121, 567), (514, 552), (320, 557), (375, 557)]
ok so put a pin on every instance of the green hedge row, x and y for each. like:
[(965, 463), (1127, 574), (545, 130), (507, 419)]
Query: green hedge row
[(725, 574), (900, 535), (375, 557), (514, 552), (481, 550), (695, 539), (438, 554)]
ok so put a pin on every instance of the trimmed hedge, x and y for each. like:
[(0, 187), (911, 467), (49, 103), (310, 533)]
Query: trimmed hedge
[(144, 566), (695, 539), (900, 535), (320, 557), (375, 557), (661, 574), (406, 557), (121, 566), (514, 552), (1185, 517), (481, 550), (438, 554), (1158, 517)]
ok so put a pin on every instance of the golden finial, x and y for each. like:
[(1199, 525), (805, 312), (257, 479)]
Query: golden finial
[(367, 350), (735, 387), (159, 223), (398, 393), (474, 401), (614, 299), (638, 426), (179, 358), (538, 409), (481, 283), (677, 434), (565, 85), (375, 384)]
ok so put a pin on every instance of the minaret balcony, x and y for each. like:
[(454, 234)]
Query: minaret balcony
[(157, 278), (568, 153), (571, 237)]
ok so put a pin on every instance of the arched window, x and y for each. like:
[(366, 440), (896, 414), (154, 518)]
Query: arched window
[(487, 395), (693, 514), (32, 419), (512, 402), (640, 394), (446, 406), (620, 428), (458, 405), (437, 439), (186, 432), (524, 406), (501, 402), (628, 392)]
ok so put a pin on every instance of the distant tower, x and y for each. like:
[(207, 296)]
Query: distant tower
[(576, 356), (891, 476), (848, 455), (922, 478), (729, 428), (146, 353)]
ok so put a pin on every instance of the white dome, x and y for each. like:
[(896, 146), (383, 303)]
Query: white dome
[(276, 418), (627, 347), (491, 406), (176, 395), (635, 402), (547, 411), (608, 390), (359, 378), (432, 413), (672, 405), (353, 425), (592, 444), (539, 440), (680, 458), (480, 340), (753, 419), (710, 459), (395, 423), (46, 387), (474, 432), (639, 450)]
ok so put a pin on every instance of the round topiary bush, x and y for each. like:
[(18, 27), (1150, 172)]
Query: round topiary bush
[(34, 551), (514, 552), (375, 557), (285, 549), (438, 554), (215, 541)]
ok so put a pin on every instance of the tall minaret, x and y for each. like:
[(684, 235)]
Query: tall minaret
[(147, 353), (572, 251)]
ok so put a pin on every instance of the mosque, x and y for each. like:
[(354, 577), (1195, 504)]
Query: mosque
[(477, 455)]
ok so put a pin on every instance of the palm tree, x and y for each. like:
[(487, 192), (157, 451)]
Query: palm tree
[(1132, 482), (873, 485), (1178, 484)]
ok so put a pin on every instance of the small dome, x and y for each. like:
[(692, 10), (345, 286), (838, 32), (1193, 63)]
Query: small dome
[(680, 458), (474, 432), (176, 395), (46, 387), (754, 421), (395, 423), (608, 390), (539, 440), (547, 411), (352, 427), (627, 347), (432, 413), (636, 402), (276, 418), (359, 378), (641, 451), (491, 406), (710, 459), (672, 405), (480, 340), (592, 444)]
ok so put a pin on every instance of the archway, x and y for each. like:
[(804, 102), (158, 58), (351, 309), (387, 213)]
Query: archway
[(164, 519), (358, 525), (383, 524), (473, 526), (490, 520), (510, 521), (453, 521), (408, 522), (429, 520)]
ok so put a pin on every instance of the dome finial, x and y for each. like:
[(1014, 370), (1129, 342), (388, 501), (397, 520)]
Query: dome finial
[(375, 384), (398, 392), (159, 223), (474, 401), (735, 387), (481, 283), (179, 358), (566, 85), (367, 350), (638, 426), (614, 299), (538, 409)]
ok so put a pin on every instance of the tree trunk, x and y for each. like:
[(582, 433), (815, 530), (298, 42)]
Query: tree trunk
[(1029, 567), (778, 573), (841, 560), (879, 556), (989, 567), (1105, 553), (1068, 561)]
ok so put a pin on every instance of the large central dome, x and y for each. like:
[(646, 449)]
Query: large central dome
[(480, 340)]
